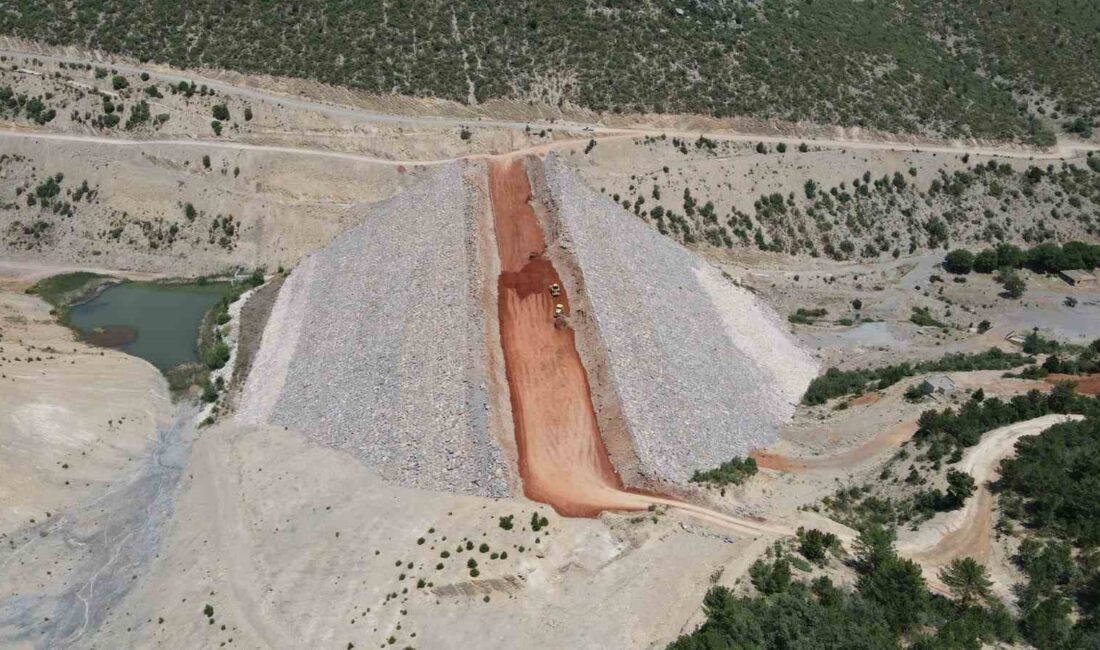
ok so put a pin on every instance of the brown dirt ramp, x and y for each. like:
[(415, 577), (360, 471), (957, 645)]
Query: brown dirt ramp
[(562, 457)]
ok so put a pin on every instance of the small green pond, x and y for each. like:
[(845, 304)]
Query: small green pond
[(157, 322)]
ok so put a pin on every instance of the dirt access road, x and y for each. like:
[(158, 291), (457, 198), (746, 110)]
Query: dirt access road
[(968, 532), (642, 125), (562, 457)]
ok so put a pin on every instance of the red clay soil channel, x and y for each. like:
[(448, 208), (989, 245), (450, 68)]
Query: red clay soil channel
[(562, 458)]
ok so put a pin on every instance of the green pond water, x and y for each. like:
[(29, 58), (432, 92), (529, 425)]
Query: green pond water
[(157, 322)]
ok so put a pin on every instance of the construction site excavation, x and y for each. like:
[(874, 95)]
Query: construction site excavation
[(562, 457), (290, 365)]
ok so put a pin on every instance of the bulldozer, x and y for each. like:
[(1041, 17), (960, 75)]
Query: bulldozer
[(560, 321)]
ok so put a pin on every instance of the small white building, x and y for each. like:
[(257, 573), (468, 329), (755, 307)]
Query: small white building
[(1078, 278)]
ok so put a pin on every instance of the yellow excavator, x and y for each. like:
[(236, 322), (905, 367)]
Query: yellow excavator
[(559, 308)]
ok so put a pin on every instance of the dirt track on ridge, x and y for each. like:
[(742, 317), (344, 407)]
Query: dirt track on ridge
[(562, 457)]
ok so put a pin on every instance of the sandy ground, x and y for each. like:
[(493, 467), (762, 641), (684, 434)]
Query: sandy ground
[(288, 557), (757, 330), (1087, 385), (90, 458), (72, 417)]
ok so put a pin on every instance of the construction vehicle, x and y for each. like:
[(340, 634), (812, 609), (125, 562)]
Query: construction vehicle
[(559, 310), (555, 290)]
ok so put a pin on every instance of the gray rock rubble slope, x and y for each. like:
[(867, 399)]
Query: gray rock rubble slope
[(692, 399), (388, 359)]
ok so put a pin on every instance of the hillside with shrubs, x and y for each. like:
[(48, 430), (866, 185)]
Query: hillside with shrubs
[(1014, 70)]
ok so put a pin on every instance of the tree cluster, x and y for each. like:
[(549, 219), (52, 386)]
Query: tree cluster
[(890, 608), (836, 382)]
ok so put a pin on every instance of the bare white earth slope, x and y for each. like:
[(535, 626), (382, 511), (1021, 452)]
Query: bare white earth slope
[(376, 345), (704, 369)]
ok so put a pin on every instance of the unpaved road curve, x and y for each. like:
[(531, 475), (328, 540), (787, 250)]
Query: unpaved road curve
[(845, 460), (968, 532)]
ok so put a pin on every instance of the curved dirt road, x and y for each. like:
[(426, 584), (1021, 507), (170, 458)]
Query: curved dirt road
[(845, 460), (968, 532)]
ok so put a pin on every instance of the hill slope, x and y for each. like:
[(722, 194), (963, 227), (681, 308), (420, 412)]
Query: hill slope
[(930, 66)]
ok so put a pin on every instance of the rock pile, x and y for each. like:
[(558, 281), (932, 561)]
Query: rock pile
[(695, 394), (377, 345)]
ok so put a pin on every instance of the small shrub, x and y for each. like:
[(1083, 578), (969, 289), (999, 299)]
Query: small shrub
[(735, 472)]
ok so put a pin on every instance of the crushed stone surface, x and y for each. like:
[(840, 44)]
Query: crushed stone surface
[(693, 395), (387, 357)]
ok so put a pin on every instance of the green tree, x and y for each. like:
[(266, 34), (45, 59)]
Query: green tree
[(118, 82), (874, 547), (968, 581), (813, 544), (220, 112), (898, 587), (1047, 625), (810, 188), (1014, 285), (1009, 256), (986, 261), (960, 486), (771, 578), (959, 261)]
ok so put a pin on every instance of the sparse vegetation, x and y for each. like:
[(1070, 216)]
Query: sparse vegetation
[(922, 317), (617, 58), (835, 382), (942, 432), (59, 290), (732, 472), (804, 316)]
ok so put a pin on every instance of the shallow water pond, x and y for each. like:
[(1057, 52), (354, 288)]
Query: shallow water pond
[(157, 322)]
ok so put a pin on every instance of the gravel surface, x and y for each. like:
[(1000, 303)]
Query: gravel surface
[(387, 357), (693, 395)]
